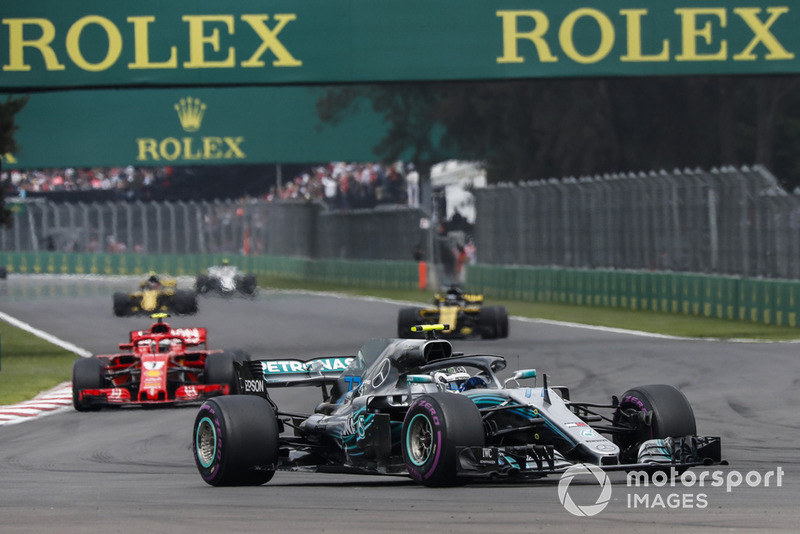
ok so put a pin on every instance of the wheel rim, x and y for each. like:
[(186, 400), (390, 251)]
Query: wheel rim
[(206, 442), (419, 440)]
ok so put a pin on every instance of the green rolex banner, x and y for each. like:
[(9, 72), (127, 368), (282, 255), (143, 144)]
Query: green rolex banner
[(93, 43), (200, 81), (231, 125)]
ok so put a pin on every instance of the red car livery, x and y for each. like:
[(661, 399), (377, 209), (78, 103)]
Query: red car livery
[(162, 365)]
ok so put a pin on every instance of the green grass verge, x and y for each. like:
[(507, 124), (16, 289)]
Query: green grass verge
[(29, 365)]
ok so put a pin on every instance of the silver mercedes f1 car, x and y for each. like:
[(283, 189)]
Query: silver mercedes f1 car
[(413, 407), (226, 280)]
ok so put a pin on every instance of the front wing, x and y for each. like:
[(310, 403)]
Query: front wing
[(536, 461), (122, 396)]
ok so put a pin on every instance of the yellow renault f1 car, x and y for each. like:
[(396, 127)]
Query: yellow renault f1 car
[(156, 295), (464, 315)]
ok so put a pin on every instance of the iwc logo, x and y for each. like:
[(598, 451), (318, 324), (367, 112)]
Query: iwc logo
[(191, 112)]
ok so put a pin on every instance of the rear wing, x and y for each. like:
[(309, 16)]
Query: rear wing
[(257, 375), (192, 337)]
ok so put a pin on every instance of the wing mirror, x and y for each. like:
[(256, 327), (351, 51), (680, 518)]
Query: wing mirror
[(522, 374), (419, 379)]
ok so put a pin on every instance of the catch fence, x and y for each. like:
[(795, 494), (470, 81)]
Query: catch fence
[(730, 222), (251, 227), (733, 221)]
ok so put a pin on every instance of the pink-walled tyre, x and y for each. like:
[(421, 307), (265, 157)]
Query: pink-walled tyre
[(235, 441), (434, 428)]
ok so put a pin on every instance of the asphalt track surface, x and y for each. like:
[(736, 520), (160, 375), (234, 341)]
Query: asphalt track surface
[(132, 470)]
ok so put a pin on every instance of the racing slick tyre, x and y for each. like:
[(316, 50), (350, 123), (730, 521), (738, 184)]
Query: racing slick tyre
[(122, 304), (235, 441), (489, 322), (240, 355), (655, 411), (247, 285), (219, 370), (202, 284), (434, 428), (406, 318), (502, 321), (3, 273), (185, 302), (87, 373)]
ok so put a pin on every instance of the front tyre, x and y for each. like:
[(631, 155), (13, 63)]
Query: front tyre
[(655, 411), (235, 441), (247, 285), (87, 373), (202, 284), (406, 318), (122, 304), (434, 428)]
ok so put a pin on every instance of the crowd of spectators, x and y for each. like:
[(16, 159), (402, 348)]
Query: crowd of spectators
[(345, 186), (127, 182), (340, 185)]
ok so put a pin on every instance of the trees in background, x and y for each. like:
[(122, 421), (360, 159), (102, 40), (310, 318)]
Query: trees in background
[(8, 111), (532, 129)]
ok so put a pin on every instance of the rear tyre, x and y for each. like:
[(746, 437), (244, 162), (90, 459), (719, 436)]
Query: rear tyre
[(654, 411), (406, 318), (235, 441), (122, 304), (219, 370), (489, 322), (502, 321), (185, 302), (434, 427), (240, 355), (87, 373), (248, 285)]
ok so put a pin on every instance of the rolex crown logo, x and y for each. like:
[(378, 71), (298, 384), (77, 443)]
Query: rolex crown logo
[(190, 113)]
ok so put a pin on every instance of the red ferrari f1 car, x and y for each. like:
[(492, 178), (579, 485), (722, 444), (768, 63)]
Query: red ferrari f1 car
[(162, 365)]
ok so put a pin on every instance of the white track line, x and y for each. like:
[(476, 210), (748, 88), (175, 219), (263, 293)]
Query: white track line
[(66, 345), (614, 330)]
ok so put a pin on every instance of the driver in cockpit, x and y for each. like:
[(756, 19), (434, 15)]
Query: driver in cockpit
[(474, 382), (152, 282), (453, 295), (459, 380)]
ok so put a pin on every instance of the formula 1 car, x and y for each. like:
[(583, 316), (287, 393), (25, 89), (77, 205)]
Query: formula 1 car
[(413, 407), (226, 280), (162, 365), (463, 314), (156, 295)]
